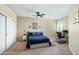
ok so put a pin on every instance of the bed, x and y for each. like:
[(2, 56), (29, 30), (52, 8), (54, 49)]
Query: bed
[(36, 38)]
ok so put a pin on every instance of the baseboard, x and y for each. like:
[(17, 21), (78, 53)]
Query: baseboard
[(8, 48), (11, 45), (71, 50)]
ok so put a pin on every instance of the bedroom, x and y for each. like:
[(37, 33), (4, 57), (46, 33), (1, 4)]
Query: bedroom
[(56, 18)]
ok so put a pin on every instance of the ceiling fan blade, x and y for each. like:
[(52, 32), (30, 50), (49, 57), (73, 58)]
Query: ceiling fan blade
[(42, 14)]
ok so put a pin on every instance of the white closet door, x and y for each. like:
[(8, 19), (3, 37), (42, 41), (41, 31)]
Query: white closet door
[(11, 32), (2, 33)]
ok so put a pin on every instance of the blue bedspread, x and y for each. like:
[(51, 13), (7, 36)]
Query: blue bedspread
[(37, 37)]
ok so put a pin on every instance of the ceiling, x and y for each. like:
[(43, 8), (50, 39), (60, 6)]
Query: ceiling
[(52, 11)]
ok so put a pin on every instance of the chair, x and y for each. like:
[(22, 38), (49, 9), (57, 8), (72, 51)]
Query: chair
[(61, 38), (59, 34)]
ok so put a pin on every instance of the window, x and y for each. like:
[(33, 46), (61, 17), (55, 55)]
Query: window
[(60, 27)]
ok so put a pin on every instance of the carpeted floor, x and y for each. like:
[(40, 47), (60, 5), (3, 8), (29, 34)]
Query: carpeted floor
[(39, 49)]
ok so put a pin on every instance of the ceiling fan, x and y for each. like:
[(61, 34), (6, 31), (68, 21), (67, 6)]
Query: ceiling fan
[(38, 14)]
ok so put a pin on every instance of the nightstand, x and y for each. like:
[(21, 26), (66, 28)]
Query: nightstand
[(24, 37)]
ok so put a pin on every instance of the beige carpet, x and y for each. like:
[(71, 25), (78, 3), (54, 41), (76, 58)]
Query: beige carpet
[(19, 48)]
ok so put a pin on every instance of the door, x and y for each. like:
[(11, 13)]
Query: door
[(11, 32), (2, 33)]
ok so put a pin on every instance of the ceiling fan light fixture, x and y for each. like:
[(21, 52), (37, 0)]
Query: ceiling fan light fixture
[(39, 15)]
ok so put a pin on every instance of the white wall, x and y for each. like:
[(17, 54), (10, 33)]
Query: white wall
[(48, 27), (73, 31)]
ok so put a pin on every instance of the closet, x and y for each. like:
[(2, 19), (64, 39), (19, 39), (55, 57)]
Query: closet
[(7, 32), (2, 32), (10, 31)]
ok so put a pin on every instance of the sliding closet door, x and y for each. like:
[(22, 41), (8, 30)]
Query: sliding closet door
[(2, 33), (11, 32)]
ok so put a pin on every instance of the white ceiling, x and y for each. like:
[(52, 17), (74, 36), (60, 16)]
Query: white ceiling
[(52, 11)]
